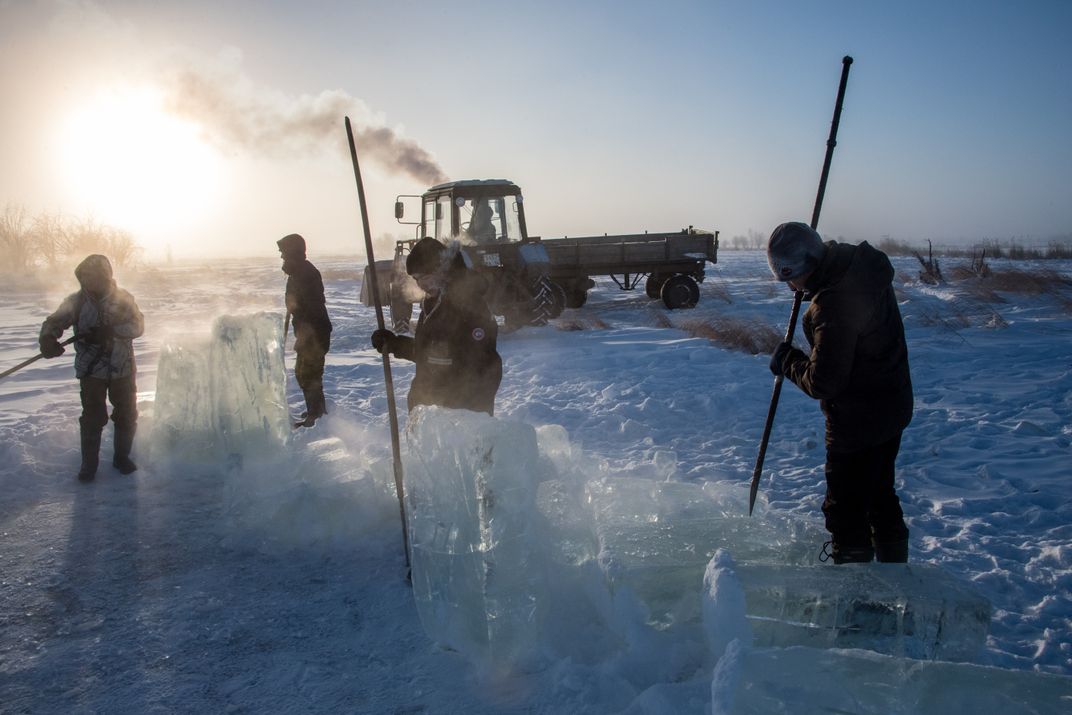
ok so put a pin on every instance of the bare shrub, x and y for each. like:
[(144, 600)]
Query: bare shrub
[(718, 290), (16, 240), (1059, 250), (932, 272), (979, 266), (83, 237), (1058, 247), (995, 321), (1040, 282), (893, 247), (49, 237), (120, 247), (960, 273), (51, 240), (1022, 253), (753, 337)]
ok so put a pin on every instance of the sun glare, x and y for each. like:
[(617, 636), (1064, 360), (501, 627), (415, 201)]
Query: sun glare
[(129, 163)]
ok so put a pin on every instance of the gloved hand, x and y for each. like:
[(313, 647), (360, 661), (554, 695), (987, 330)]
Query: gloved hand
[(97, 335), (382, 340), (777, 361), (50, 347)]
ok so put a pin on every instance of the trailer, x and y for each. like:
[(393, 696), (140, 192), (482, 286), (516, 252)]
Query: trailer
[(670, 264), (532, 279)]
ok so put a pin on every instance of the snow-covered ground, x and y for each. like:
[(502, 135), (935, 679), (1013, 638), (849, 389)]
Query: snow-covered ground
[(277, 585)]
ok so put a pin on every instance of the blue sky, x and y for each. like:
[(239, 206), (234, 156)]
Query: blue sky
[(614, 117)]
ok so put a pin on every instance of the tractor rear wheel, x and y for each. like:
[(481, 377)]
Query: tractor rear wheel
[(532, 304), (558, 299)]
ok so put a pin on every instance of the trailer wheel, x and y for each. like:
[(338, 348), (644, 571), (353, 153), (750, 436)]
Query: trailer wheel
[(654, 285), (680, 291)]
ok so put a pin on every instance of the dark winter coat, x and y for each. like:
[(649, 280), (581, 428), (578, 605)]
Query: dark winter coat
[(858, 366), (454, 346), (306, 304), (114, 357)]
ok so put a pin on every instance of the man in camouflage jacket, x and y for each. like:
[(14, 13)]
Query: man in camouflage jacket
[(106, 320)]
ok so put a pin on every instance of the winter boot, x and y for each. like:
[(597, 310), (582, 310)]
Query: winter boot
[(314, 408), (124, 441), (91, 439), (863, 554), (892, 552)]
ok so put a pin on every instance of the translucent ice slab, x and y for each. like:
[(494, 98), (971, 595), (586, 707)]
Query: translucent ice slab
[(510, 542), (226, 394), (810, 681), (470, 497), (656, 538), (913, 610)]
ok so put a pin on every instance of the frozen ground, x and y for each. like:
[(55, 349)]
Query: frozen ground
[(274, 584)]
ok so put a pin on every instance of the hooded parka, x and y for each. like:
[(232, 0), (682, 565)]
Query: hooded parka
[(454, 346), (858, 365), (114, 311)]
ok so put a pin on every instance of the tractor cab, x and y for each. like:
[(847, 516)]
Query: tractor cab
[(487, 218), (475, 212)]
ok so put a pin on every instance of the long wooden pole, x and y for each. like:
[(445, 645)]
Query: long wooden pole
[(35, 358), (392, 413), (798, 297)]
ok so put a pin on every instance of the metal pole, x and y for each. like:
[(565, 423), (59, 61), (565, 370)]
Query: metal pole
[(35, 358), (392, 413), (798, 297)]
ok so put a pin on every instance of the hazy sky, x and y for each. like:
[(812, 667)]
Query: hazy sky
[(210, 126)]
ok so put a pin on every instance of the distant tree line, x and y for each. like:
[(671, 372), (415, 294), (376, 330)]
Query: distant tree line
[(52, 240), (1055, 248), (755, 239), (1016, 249)]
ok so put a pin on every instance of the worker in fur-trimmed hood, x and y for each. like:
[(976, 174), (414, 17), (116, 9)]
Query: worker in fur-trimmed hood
[(106, 320), (455, 343)]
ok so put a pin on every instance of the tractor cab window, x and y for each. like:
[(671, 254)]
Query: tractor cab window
[(429, 219), (442, 220), (490, 219)]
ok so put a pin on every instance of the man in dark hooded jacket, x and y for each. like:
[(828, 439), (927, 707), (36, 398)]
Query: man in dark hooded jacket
[(106, 320), (308, 313), (454, 345), (858, 370)]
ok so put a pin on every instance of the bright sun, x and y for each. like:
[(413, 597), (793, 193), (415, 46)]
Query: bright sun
[(127, 162)]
